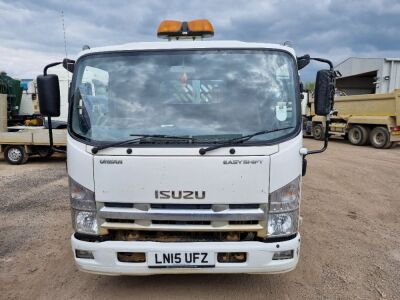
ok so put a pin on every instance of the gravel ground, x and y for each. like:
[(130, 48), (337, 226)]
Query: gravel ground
[(350, 238)]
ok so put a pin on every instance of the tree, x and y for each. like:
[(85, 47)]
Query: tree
[(310, 86)]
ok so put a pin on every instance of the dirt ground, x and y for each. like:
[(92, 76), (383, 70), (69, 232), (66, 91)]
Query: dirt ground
[(350, 238)]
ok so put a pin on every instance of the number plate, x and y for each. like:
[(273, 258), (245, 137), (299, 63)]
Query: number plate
[(180, 259)]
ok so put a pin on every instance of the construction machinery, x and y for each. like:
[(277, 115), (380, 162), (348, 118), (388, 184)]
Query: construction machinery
[(362, 119)]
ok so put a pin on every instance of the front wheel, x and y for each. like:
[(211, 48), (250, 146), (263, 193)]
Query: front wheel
[(380, 138), (318, 132), (15, 155)]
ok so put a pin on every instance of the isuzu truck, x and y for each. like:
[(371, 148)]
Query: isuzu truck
[(186, 156)]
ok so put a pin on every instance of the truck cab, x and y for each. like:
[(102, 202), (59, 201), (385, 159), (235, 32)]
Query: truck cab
[(185, 157)]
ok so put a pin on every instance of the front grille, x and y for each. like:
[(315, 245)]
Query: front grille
[(184, 217), (180, 222), (180, 206), (116, 204), (243, 206), (180, 236), (244, 222)]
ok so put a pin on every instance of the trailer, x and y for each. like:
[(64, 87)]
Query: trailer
[(23, 132), (362, 119), (17, 146)]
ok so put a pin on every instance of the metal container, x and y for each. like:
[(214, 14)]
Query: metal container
[(14, 92), (3, 112)]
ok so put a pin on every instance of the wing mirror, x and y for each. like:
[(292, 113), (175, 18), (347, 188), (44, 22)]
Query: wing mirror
[(49, 95), (324, 92), (49, 99), (323, 97)]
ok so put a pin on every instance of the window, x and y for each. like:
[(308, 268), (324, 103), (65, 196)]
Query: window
[(210, 95)]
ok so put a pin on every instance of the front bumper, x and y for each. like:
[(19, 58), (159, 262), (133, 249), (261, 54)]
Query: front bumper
[(259, 256)]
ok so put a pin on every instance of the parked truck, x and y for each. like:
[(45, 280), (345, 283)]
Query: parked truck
[(186, 156), (362, 119), (23, 131)]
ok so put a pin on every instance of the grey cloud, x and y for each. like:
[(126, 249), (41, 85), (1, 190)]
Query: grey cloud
[(333, 29)]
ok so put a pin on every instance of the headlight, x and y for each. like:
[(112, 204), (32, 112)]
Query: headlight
[(284, 209), (83, 208), (283, 224), (84, 221)]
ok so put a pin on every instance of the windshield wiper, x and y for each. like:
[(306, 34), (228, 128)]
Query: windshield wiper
[(238, 140), (140, 138)]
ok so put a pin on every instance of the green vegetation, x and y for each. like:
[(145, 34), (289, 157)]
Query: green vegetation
[(310, 86)]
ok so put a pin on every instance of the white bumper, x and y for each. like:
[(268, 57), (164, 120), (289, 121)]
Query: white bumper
[(259, 256)]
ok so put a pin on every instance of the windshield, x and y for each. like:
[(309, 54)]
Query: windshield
[(209, 95)]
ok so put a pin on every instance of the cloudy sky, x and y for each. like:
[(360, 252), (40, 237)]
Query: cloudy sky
[(31, 32)]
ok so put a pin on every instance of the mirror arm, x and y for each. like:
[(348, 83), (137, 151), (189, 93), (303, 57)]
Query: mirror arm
[(52, 148), (327, 121), (326, 139), (323, 60), (49, 124), (49, 66)]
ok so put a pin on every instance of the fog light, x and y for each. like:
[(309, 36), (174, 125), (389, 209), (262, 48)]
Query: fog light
[(132, 257), (288, 254), (84, 254), (232, 257)]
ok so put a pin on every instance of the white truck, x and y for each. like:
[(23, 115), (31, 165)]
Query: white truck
[(186, 156), (28, 135)]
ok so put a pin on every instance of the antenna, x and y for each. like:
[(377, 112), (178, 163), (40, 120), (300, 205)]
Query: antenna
[(288, 44), (65, 40)]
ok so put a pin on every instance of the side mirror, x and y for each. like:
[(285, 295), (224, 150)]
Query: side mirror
[(49, 95), (324, 92), (68, 64)]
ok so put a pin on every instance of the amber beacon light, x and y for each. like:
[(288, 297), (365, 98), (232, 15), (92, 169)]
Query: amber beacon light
[(169, 29)]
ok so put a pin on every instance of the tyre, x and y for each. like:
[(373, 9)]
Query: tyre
[(380, 138), (45, 152), (389, 145), (358, 135), (15, 155), (318, 132)]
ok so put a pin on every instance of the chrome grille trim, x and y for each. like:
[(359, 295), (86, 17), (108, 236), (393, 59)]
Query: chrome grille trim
[(182, 214), (161, 227), (201, 218)]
